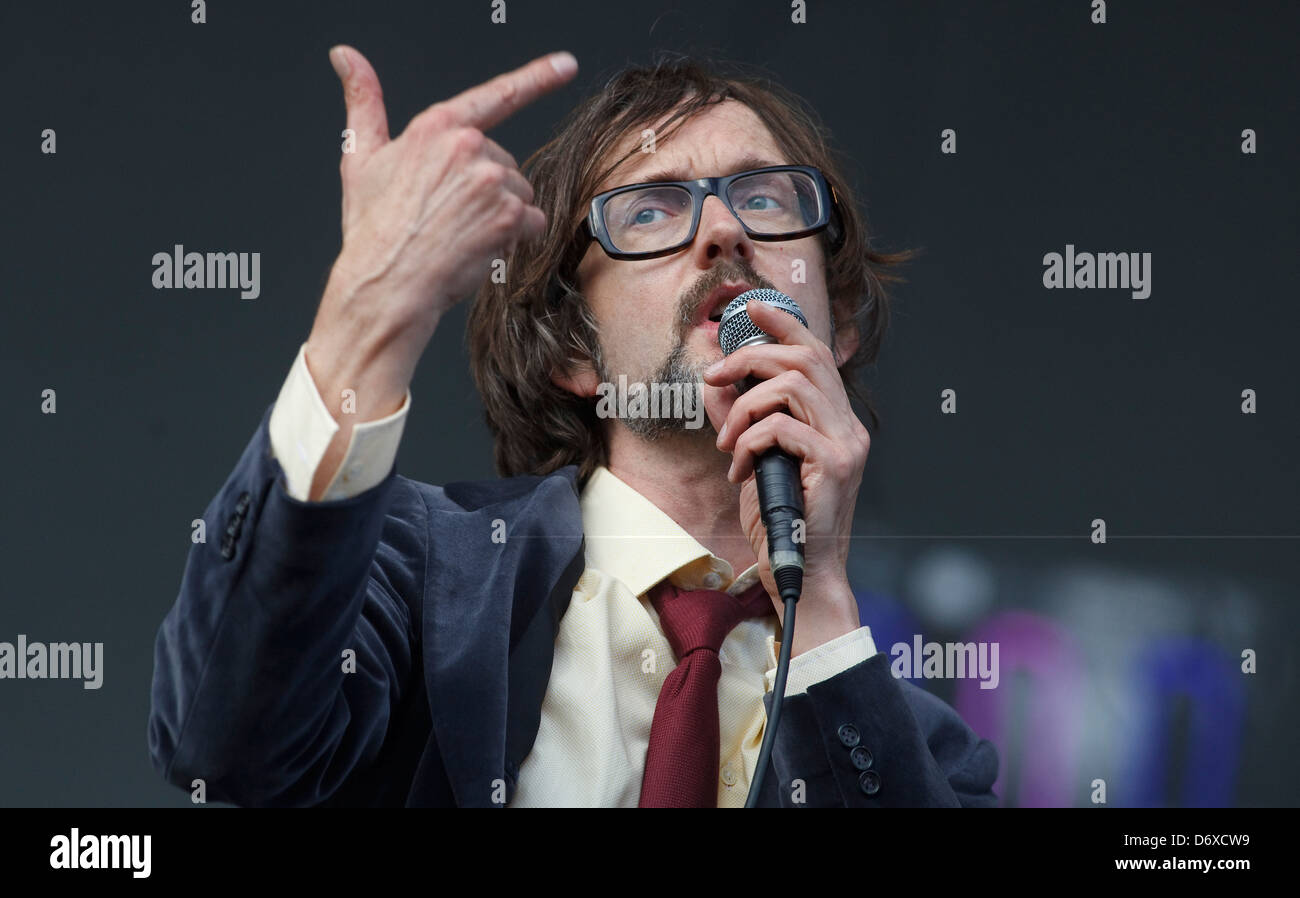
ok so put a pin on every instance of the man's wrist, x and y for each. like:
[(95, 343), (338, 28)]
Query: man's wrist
[(349, 350), (354, 392), (375, 316), (827, 610)]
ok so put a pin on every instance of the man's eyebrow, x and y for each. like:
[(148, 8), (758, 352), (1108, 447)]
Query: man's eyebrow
[(677, 174)]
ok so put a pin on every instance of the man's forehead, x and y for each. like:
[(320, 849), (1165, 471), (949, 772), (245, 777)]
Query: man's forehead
[(722, 139)]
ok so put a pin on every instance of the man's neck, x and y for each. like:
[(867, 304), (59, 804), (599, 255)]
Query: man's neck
[(685, 476)]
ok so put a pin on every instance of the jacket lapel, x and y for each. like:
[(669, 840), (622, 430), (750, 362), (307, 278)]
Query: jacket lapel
[(503, 559)]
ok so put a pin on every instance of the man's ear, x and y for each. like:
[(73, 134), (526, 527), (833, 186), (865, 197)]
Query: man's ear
[(579, 378), (846, 334)]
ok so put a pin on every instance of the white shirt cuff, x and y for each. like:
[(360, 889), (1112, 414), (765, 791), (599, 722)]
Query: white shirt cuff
[(301, 429), (825, 661)]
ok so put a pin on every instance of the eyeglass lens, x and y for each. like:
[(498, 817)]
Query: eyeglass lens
[(657, 216)]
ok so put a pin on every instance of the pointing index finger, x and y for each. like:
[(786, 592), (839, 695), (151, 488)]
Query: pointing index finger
[(491, 102)]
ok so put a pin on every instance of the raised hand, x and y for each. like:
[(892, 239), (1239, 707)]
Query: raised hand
[(424, 215)]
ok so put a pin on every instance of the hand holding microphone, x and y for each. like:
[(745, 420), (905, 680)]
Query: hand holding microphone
[(780, 492), (794, 402)]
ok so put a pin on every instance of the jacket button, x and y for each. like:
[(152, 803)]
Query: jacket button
[(849, 735), (870, 782), (242, 505), (861, 757), (227, 548)]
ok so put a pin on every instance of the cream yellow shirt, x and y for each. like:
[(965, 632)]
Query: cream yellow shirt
[(611, 657)]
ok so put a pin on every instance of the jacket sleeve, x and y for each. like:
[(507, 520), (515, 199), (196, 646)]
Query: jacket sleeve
[(277, 669), (866, 739)]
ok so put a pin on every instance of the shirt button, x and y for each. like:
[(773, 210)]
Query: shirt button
[(712, 580), (728, 776)]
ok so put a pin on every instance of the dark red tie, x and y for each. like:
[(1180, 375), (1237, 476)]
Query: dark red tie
[(681, 766)]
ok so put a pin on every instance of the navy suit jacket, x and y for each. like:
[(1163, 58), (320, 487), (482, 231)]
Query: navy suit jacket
[(452, 637)]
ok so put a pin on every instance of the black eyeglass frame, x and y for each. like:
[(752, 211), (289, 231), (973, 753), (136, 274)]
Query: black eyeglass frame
[(830, 220)]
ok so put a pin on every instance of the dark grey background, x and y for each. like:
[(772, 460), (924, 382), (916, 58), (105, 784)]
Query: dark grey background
[(1072, 404)]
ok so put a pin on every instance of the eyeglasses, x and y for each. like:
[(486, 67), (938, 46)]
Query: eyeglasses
[(780, 202)]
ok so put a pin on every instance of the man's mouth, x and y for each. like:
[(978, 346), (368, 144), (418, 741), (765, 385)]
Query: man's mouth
[(717, 301)]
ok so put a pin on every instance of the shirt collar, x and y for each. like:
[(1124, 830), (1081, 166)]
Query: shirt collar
[(632, 540)]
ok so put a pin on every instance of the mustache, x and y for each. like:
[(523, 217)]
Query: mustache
[(715, 277)]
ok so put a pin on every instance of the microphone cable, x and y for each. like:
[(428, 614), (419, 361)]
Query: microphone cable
[(778, 696)]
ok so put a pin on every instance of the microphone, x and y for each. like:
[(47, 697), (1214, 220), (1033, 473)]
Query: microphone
[(780, 491)]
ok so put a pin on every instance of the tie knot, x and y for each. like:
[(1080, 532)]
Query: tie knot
[(702, 618)]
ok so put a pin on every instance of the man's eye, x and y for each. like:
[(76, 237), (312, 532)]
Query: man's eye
[(647, 216), (760, 203)]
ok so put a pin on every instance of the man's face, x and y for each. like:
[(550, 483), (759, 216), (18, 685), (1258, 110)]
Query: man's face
[(653, 315)]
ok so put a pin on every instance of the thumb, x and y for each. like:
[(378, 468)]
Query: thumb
[(364, 98)]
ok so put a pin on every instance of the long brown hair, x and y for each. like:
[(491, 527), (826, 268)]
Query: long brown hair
[(538, 321)]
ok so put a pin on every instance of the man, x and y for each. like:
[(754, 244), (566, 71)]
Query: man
[(596, 628)]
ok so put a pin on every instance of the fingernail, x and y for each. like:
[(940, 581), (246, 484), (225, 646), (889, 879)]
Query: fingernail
[(564, 63), (339, 60), (722, 434)]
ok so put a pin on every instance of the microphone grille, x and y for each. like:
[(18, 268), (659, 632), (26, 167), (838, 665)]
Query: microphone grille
[(736, 329)]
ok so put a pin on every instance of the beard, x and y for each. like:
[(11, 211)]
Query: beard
[(678, 366), (685, 418)]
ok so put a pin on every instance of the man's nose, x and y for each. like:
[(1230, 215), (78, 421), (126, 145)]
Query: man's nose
[(720, 234)]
